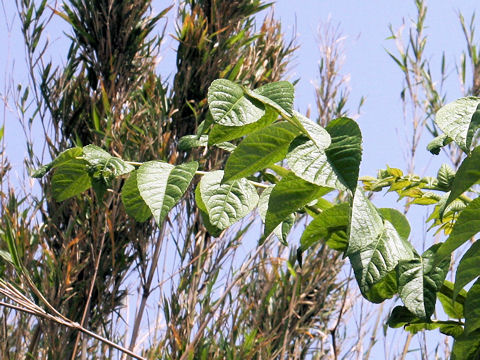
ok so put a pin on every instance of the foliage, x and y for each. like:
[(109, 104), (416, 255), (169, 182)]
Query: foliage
[(383, 260)]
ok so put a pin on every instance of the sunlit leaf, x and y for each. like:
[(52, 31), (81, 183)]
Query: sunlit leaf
[(375, 247), (162, 185), (230, 106), (419, 279), (134, 204), (459, 120), (226, 202), (259, 150)]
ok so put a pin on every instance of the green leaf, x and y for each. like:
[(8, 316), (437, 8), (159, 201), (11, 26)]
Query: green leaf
[(452, 305), (468, 268), (188, 142), (229, 105), (467, 174), (290, 194), (63, 157), (459, 120), (162, 185), (401, 316), (472, 309), (259, 150), (282, 230), (445, 177), (375, 247), (70, 179), (315, 132), (134, 204), (466, 346), (345, 151), (467, 225), (279, 95), (330, 226), (213, 230), (437, 143), (226, 202), (419, 279), (398, 220), (105, 164), (220, 133)]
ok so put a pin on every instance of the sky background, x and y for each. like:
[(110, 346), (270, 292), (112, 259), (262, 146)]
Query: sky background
[(372, 73)]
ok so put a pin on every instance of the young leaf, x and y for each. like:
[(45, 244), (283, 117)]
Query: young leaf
[(468, 268), (331, 226), (437, 143), (419, 279), (220, 133), (459, 120), (467, 225), (162, 185), (229, 105), (467, 174), (260, 149), (282, 230), (134, 204), (188, 142), (289, 195), (374, 247), (226, 202), (70, 179)]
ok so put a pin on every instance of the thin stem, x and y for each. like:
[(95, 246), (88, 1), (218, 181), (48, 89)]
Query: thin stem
[(73, 325), (90, 291)]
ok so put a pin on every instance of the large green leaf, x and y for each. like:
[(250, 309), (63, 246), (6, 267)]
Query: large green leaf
[(335, 166), (213, 230), (134, 204), (398, 220), (220, 133), (226, 202), (374, 247), (345, 151), (63, 157), (289, 194), (282, 230), (467, 174), (331, 226), (419, 279), (468, 268), (230, 106), (315, 132), (260, 149), (459, 120), (70, 179), (279, 95), (162, 185), (467, 225)]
